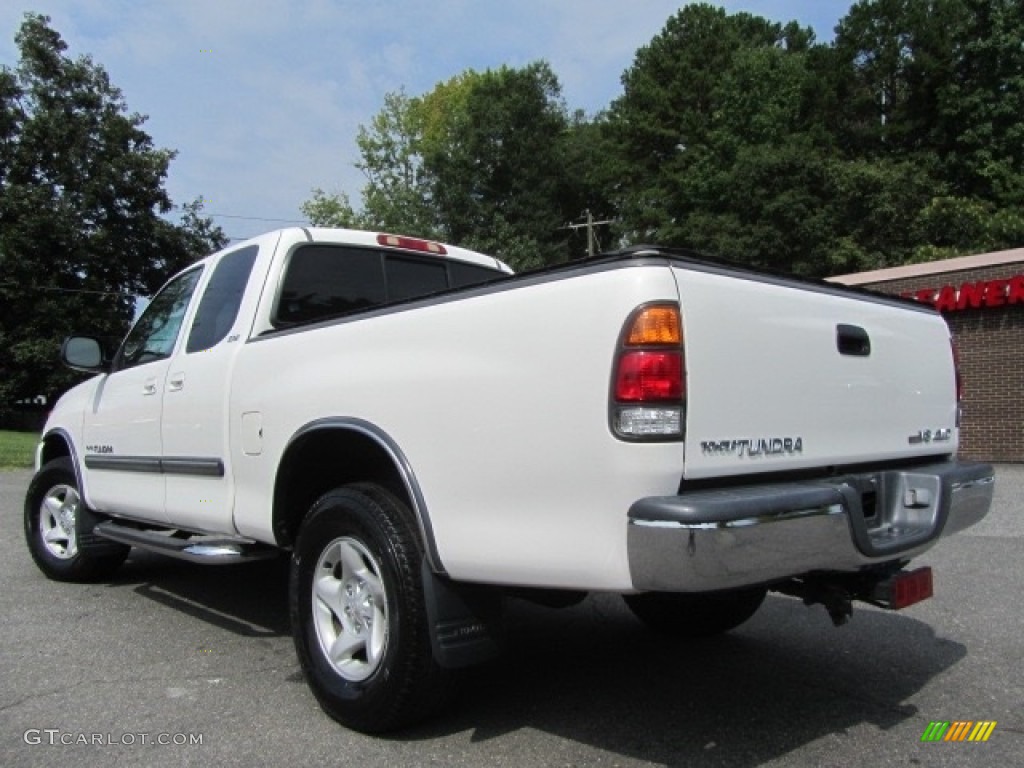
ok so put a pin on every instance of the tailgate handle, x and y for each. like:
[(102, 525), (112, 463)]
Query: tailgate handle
[(852, 340)]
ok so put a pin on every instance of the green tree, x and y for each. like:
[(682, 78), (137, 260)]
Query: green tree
[(489, 160), (940, 84), (590, 170), (901, 141), (81, 193), (400, 191), (500, 162), (718, 142), (327, 209), (953, 226), (896, 56), (393, 164), (398, 194), (981, 105)]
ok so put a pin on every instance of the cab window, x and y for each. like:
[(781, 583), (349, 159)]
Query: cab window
[(323, 281), (326, 281), (218, 309), (411, 278), (153, 336), (462, 274)]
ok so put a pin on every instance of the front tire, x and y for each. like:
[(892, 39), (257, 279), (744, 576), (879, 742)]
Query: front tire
[(58, 528), (358, 614), (696, 615)]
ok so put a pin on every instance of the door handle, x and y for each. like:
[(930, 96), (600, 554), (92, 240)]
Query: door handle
[(149, 387), (176, 382)]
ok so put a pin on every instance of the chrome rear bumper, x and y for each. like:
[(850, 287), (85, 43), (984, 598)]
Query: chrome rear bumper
[(720, 539)]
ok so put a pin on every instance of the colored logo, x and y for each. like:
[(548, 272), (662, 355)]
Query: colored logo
[(959, 730)]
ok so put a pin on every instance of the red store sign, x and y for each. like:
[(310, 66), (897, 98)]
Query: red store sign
[(983, 294)]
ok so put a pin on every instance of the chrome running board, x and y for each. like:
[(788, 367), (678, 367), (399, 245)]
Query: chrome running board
[(198, 548)]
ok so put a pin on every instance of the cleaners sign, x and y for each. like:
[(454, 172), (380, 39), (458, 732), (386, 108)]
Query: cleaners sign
[(984, 294)]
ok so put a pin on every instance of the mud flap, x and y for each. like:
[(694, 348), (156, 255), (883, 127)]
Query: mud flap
[(466, 620)]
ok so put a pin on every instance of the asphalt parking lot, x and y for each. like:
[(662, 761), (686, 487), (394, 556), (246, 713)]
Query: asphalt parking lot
[(183, 653)]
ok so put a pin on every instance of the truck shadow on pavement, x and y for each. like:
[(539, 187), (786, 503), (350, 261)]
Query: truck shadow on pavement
[(594, 675), (248, 599), (785, 679)]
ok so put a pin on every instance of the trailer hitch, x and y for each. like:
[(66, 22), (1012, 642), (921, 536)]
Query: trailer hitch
[(887, 586)]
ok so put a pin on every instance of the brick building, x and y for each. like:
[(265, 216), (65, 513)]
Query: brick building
[(982, 299)]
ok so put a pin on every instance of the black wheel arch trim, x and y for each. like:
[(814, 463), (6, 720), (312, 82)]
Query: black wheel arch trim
[(65, 437), (399, 461)]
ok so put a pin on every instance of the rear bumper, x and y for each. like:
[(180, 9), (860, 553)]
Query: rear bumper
[(703, 541)]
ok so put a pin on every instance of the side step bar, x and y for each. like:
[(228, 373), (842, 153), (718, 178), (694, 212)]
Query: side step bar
[(198, 548)]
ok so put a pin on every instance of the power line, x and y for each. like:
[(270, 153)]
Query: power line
[(246, 218), (257, 218), (58, 289)]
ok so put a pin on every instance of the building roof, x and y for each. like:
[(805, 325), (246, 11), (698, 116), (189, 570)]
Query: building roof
[(945, 266)]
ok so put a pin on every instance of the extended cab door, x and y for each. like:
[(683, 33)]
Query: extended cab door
[(195, 462), (121, 429)]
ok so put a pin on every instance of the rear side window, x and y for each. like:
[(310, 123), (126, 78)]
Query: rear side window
[(323, 281), (409, 278), (218, 308), (463, 274)]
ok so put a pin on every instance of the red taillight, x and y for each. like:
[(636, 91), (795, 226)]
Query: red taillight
[(645, 377), (411, 244), (649, 379)]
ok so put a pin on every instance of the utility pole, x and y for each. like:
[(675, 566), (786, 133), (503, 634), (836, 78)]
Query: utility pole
[(589, 224)]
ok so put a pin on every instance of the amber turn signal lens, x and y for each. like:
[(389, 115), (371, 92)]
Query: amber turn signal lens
[(655, 325)]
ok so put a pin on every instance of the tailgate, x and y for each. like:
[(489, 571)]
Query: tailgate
[(785, 375)]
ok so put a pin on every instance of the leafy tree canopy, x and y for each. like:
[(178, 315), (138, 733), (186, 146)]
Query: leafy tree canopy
[(483, 160), (901, 141), (81, 198)]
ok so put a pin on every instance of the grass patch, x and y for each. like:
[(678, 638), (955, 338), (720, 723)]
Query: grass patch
[(17, 449)]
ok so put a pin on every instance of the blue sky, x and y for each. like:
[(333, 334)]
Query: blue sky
[(262, 98)]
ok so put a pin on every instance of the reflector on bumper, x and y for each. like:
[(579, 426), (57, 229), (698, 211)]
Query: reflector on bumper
[(905, 588)]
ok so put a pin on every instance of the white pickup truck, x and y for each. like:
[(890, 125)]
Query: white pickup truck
[(428, 435)]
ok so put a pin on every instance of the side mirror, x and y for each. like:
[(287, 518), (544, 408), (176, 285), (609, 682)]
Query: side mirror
[(83, 353)]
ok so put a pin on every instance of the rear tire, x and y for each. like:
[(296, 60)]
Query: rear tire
[(695, 615), (358, 614), (58, 528)]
